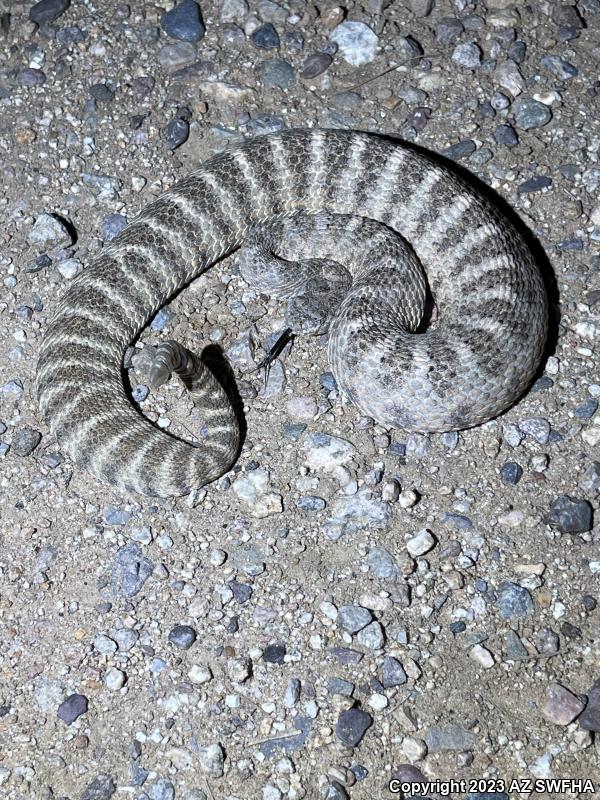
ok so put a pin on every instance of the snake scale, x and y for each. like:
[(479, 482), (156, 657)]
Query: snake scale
[(471, 360)]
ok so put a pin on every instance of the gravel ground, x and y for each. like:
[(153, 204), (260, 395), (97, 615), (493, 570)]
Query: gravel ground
[(347, 605)]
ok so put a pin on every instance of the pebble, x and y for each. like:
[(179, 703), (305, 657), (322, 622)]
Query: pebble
[(448, 30), (467, 55), (315, 65), (506, 135), (101, 788), (182, 636), (112, 225), (460, 150), (325, 452), (176, 133), (509, 77), (420, 544), (530, 114), (511, 473), (72, 708), (173, 57), (162, 789), (25, 441), (102, 92), (212, 760), (277, 73), (393, 673), (183, 22), (482, 656), (513, 601), (561, 706), (352, 725), (47, 11), (514, 647), (265, 37), (354, 618), (421, 8), (114, 679), (536, 427), (48, 231), (199, 673), (590, 719), (452, 737), (534, 184), (31, 77), (131, 570), (357, 43), (371, 636), (559, 67), (570, 515), (311, 503)]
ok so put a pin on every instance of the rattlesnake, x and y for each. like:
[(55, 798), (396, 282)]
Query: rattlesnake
[(453, 371)]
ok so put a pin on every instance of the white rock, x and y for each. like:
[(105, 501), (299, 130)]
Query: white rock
[(420, 544), (356, 41)]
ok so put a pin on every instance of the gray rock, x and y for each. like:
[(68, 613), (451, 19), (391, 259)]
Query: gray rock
[(449, 30), (357, 43), (452, 737), (31, 77), (354, 618), (570, 515), (48, 231), (176, 132), (514, 647), (112, 225), (371, 636), (325, 452), (460, 150), (265, 37), (173, 57), (393, 673), (467, 55), (25, 441), (278, 73), (561, 706), (590, 480), (131, 570), (512, 435), (311, 503), (101, 788), (382, 564), (559, 67), (212, 758), (506, 135), (352, 725), (590, 719), (183, 22), (126, 639), (513, 601), (48, 10), (350, 514), (536, 427), (161, 789), (511, 473), (530, 114), (315, 65), (534, 184), (72, 707), (292, 692), (547, 642), (182, 636), (421, 8)]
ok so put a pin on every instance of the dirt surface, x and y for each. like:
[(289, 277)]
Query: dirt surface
[(352, 607)]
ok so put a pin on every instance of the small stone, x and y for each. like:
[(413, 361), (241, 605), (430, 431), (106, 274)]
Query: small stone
[(212, 759), (534, 184), (420, 544), (278, 73), (101, 788), (161, 789), (508, 76), (547, 642), (352, 725), (31, 77), (452, 737), (173, 57), (460, 150), (514, 647), (372, 636), (239, 669), (274, 653), (586, 410), (102, 92), (482, 656), (47, 11), (570, 515), (265, 37), (559, 67), (414, 749), (448, 30), (530, 114), (562, 706), (506, 135), (176, 133), (467, 55), (513, 601), (114, 679), (112, 226), (72, 707), (357, 43), (536, 427), (25, 441), (199, 673), (511, 473), (183, 22), (182, 636), (48, 231), (393, 673), (590, 719), (421, 8), (325, 452), (315, 65), (354, 618)]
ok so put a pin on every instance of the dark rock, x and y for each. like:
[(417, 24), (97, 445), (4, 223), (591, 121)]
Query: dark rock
[(31, 77), (48, 10), (274, 653), (511, 473), (72, 707), (265, 37), (530, 114), (449, 30), (534, 184), (102, 92), (513, 600), (352, 726), (570, 515), (101, 788), (182, 636), (316, 64), (587, 409), (506, 135), (590, 719), (393, 673), (176, 133), (183, 22), (559, 67), (25, 441), (277, 73)]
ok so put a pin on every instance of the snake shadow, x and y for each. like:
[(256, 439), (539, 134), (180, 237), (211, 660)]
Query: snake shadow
[(531, 240)]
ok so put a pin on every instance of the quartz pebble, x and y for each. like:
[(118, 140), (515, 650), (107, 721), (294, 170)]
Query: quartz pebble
[(357, 43)]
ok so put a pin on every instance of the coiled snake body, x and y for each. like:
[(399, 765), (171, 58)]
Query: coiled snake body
[(426, 233)]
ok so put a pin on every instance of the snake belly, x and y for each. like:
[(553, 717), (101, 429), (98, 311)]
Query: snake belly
[(470, 364)]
